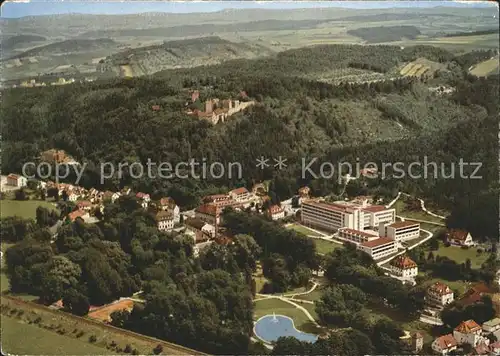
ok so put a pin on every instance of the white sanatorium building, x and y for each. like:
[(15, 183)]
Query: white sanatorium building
[(333, 216)]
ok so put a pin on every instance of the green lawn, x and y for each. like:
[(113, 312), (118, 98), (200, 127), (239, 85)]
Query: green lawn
[(401, 209), (25, 339), (302, 229), (22, 208), (460, 286), (460, 255), (270, 306), (324, 246)]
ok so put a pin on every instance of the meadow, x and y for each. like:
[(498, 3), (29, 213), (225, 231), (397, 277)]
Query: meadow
[(22, 208)]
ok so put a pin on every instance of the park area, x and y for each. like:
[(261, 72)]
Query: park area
[(460, 255), (302, 229), (23, 208)]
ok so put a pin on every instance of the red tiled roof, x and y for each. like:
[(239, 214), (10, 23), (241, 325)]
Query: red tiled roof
[(156, 107), (440, 289), (375, 208), (84, 203), (208, 209), (357, 232), (456, 234), (239, 191), (167, 201), (275, 209), (467, 327), (495, 345), (403, 262), (164, 215), (76, 214), (141, 195), (446, 341), (482, 349), (401, 224), (13, 176), (378, 242)]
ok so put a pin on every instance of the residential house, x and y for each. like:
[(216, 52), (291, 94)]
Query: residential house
[(168, 204), (155, 107), (482, 348), (276, 212), (304, 192), (240, 195), (78, 214), (459, 237), (403, 266), (165, 221), (110, 196), (144, 199), (444, 344), (474, 294), (194, 227), (16, 180), (209, 213), (417, 342), (439, 295), (495, 348), (72, 196), (491, 326), (259, 189), (84, 205), (468, 332)]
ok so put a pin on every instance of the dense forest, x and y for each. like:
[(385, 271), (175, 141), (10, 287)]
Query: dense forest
[(398, 120)]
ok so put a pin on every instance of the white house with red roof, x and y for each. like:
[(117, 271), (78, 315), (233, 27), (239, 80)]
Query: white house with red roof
[(439, 295), (15, 180), (144, 199), (469, 332), (403, 266), (276, 212), (84, 205), (444, 344), (240, 195), (164, 221), (168, 204), (459, 237)]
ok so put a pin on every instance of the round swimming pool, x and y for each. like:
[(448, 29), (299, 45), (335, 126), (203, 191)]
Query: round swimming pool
[(271, 327)]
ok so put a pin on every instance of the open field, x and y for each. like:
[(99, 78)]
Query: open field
[(324, 246), (460, 255), (21, 338), (71, 326), (23, 208), (486, 68), (302, 229)]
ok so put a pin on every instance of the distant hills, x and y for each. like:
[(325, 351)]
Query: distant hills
[(69, 46), (12, 42)]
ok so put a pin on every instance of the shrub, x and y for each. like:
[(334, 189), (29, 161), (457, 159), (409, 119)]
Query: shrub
[(135, 352), (37, 320), (74, 331), (20, 312), (127, 349), (80, 334), (92, 338), (465, 247), (113, 343), (158, 349)]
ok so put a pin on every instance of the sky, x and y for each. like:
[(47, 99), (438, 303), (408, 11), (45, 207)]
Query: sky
[(21, 8)]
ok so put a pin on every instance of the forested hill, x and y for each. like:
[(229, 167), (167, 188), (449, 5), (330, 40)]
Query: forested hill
[(295, 117)]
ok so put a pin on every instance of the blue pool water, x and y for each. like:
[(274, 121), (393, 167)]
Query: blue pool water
[(269, 328)]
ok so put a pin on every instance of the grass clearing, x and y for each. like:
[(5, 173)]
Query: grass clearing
[(28, 339), (23, 208), (486, 68), (460, 255), (402, 210), (324, 246), (303, 230)]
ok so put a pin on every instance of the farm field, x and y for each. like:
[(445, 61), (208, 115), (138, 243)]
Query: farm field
[(23, 208), (486, 68), (38, 341)]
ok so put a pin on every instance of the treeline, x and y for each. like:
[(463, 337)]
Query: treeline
[(385, 33), (472, 33), (470, 58)]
